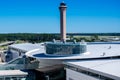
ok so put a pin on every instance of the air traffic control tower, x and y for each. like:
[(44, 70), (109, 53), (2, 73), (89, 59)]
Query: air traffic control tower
[(64, 48), (62, 9)]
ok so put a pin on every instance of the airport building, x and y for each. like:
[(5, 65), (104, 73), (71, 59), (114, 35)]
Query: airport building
[(82, 60), (13, 75), (105, 69), (17, 50)]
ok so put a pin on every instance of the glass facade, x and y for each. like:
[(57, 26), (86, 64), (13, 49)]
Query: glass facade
[(65, 48)]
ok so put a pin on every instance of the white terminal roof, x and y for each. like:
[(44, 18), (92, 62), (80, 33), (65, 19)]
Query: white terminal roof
[(104, 49), (12, 73), (25, 46), (98, 50), (109, 68)]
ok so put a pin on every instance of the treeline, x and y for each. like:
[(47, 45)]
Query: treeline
[(30, 37), (39, 37), (91, 34)]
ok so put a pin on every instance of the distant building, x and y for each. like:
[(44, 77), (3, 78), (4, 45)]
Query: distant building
[(7, 43), (111, 39)]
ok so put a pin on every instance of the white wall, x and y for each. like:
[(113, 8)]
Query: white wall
[(73, 75)]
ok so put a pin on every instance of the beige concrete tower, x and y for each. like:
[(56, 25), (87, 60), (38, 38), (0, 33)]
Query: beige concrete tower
[(62, 9)]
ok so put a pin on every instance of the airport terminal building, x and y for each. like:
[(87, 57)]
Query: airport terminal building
[(49, 60)]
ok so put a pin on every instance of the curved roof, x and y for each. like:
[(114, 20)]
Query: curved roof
[(93, 51)]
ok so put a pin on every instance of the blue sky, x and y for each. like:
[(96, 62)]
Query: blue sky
[(42, 16)]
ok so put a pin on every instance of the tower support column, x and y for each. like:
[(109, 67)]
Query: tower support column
[(62, 9)]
